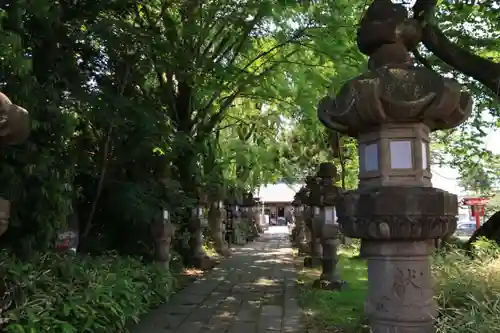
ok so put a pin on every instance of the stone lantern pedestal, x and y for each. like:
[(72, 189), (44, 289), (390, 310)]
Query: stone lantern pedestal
[(14, 129), (329, 232), (391, 109), (314, 223)]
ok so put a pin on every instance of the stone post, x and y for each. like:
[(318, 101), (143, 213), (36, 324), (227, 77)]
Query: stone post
[(14, 129), (313, 222), (391, 109), (330, 234), (163, 231)]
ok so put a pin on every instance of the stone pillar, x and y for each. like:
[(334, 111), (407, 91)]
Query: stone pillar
[(391, 109), (314, 223), (330, 234), (163, 231), (14, 129), (298, 232)]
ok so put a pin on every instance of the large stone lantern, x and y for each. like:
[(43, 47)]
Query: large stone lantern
[(329, 232), (314, 222), (391, 109), (14, 129)]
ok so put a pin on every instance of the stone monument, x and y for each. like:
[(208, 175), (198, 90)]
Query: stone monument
[(14, 129), (391, 109), (329, 232), (313, 222)]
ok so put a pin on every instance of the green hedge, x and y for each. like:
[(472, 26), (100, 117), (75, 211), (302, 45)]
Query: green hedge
[(61, 293)]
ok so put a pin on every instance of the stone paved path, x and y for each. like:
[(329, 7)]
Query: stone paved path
[(252, 292)]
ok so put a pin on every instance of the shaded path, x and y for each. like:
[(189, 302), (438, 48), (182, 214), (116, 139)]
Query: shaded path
[(254, 291)]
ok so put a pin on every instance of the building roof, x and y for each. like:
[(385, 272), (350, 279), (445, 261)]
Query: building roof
[(280, 192)]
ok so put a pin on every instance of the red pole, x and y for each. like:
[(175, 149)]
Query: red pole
[(477, 216)]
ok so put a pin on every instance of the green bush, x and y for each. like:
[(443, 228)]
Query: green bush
[(468, 289), (61, 293)]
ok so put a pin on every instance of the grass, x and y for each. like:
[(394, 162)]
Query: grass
[(467, 291), (329, 311)]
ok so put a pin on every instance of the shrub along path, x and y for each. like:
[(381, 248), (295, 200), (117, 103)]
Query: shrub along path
[(254, 291)]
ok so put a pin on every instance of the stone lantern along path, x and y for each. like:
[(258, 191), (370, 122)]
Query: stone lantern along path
[(303, 234), (216, 216), (197, 223), (330, 235), (396, 212), (14, 129), (247, 215), (313, 222), (163, 232)]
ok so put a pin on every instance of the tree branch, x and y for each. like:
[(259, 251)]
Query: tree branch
[(485, 71)]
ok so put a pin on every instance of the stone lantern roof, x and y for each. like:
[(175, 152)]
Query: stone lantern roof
[(393, 90)]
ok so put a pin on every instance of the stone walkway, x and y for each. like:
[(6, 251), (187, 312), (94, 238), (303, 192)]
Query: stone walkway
[(252, 292)]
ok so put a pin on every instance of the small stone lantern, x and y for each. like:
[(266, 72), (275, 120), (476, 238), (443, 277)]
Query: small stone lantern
[(198, 222), (391, 109), (330, 234), (304, 240), (298, 236), (257, 215), (14, 129), (314, 222)]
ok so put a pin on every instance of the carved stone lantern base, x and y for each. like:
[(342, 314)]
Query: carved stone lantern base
[(400, 294), (397, 226)]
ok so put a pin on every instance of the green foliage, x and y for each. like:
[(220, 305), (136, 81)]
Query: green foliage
[(64, 293), (468, 289), (326, 310)]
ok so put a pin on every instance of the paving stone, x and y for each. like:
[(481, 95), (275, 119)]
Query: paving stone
[(272, 310), (242, 327), (254, 291)]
